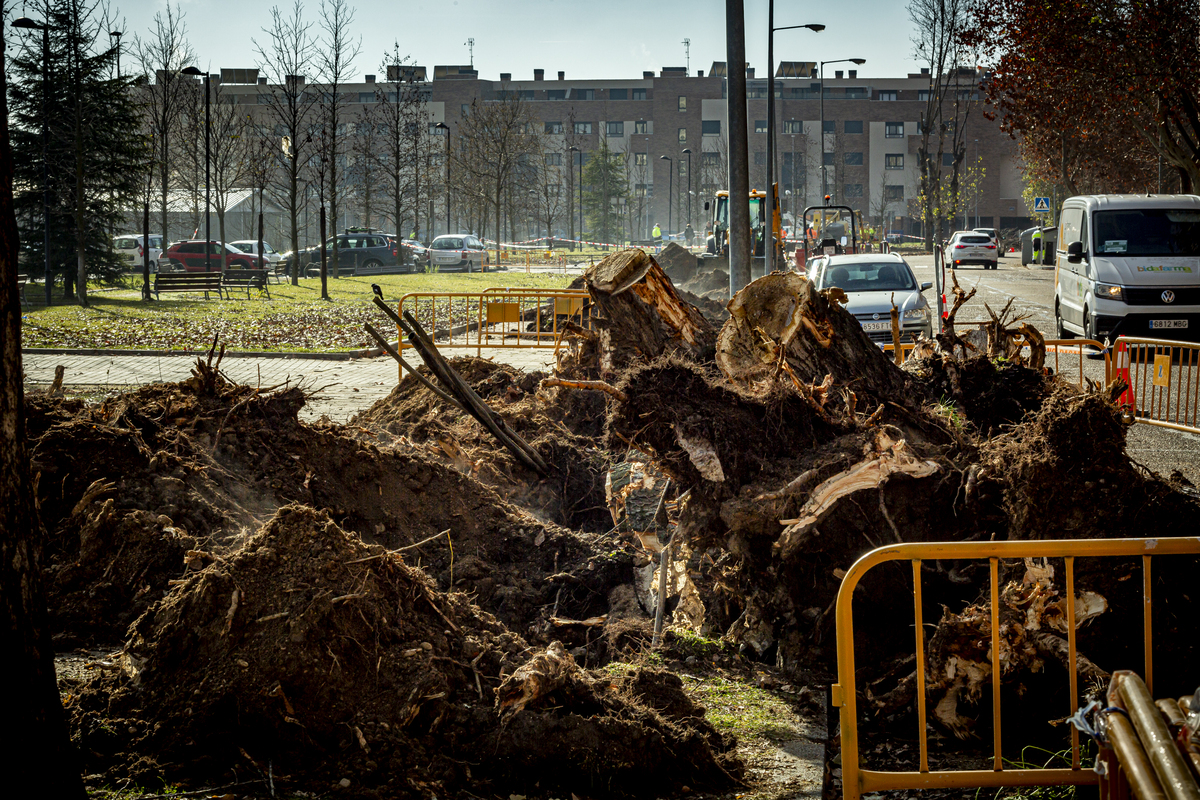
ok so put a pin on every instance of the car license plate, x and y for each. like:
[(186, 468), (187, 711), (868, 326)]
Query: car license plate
[(1168, 323), (877, 326)]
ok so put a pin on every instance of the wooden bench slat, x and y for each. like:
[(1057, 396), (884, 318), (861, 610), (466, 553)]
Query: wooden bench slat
[(247, 279), (194, 282)]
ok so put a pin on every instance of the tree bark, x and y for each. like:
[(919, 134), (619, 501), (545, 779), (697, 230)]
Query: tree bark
[(41, 761), (642, 316)]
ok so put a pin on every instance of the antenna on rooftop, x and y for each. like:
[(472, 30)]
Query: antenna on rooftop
[(687, 54), (471, 45)]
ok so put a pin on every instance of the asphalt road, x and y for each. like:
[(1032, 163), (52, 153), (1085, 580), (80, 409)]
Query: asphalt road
[(1032, 290)]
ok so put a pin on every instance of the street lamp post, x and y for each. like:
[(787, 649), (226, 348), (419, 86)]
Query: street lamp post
[(26, 22), (977, 183), (117, 35), (207, 176), (444, 127), (688, 152), (579, 233), (821, 80), (769, 244), (670, 186)]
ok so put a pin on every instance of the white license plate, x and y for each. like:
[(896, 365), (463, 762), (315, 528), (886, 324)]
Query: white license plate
[(1168, 323), (877, 326)]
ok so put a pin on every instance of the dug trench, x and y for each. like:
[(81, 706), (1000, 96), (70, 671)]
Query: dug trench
[(399, 607)]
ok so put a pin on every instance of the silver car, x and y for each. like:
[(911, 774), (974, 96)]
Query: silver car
[(871, 283), (970, 247), (251, 245), (460, 251)]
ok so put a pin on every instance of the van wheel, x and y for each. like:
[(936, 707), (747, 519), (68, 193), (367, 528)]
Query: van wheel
[(1060, 331)]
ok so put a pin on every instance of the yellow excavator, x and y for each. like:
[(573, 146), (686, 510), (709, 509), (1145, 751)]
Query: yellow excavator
[(716, 252)]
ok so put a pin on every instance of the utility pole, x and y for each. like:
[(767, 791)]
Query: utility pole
[(739, 172)]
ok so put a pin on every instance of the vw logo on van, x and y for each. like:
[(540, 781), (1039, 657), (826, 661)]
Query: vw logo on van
[(1168, 296), (874, 316)]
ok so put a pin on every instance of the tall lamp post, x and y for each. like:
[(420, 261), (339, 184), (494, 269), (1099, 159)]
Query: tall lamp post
[(977, 184), (688, 152), (670, 186), (26, 22), (769, 244), (207, 176), (441, 126), (117, 35), (821, 80), (579, 233)]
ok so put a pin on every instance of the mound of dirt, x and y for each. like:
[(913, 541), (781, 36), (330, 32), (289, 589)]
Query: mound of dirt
[(708, 283), (309, 659), (678, 262)]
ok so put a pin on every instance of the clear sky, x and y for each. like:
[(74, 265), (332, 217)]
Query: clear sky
[(614, 39)]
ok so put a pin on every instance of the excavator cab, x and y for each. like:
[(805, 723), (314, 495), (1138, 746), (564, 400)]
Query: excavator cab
[(829, 230)]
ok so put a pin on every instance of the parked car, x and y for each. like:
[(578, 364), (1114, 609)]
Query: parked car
[(969, 247), (358, 254), (190, 256), (870, 282), (460, 251), (251, 246), (129, 248)]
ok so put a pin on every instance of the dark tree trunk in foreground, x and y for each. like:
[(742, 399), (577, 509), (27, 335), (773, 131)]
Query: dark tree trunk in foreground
[(39, 757)]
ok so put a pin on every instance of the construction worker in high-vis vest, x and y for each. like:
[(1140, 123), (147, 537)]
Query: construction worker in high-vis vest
[(1037, 245)]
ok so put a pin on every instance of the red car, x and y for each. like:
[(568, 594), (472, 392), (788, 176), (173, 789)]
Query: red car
[(189, 256)]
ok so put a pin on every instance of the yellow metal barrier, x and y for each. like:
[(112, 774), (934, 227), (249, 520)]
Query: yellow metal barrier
[(855, 780), (497, 317), (1164, 381)]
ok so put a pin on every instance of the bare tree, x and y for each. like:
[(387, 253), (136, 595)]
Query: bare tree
[(161, 56), (336, 63), (497, 137), (364, 167), (402, 125), (229, 156), (288, 56), (938, 25)]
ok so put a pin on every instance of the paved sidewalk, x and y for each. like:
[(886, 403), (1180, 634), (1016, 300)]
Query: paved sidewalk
[(346, 387)]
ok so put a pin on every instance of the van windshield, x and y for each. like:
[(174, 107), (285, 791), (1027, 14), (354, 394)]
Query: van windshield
[(1148, 232)]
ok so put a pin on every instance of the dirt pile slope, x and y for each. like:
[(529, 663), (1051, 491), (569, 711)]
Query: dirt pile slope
[(309, 658)]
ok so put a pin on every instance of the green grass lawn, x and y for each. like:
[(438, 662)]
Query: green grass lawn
[(295, 319)]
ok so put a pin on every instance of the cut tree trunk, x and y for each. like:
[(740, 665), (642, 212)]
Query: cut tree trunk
[(642, 316)]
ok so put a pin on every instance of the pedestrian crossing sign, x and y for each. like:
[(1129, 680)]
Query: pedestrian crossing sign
[(1041, 205)]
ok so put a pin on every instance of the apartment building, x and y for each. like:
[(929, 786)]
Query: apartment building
[(674, 127)]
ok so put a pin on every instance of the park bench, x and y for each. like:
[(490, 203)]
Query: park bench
[(21, 281), (277, 271), (194, 282), (247, 279)]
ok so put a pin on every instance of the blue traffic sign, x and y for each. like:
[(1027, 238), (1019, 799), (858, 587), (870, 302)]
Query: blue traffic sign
[(1041, 205)]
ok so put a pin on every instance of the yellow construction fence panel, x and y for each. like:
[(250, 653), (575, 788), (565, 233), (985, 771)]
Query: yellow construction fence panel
[(503, 312)]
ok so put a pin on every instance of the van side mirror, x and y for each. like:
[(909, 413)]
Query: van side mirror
[(926, 285), (1075, 252), (706, 205)]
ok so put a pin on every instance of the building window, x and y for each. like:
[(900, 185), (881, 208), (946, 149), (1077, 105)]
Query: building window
[(554, 127), (583, 94), (643, 190), (618, 94), (947, 159), (923, 95), (760, 158), (893, 192), (583, 127), (553, 159), (465, 109), (552, 189), (893, 130), (556, 94), (640, 127), (760, 126), (580, 159), (366, 97), (639, 94), (857, 93), (827, 158), (682, 103), (829, 126), (853, 159), (683, 135), (893, 161), (854, 126), (710, 159), (852, 190), (639, 159), (885, 95), (793, 126), (710, 127), (615, 129)]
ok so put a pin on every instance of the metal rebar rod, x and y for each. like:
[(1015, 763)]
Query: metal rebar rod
[(1134, 763), (1156, 739)]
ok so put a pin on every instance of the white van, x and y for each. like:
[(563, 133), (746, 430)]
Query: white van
[(1128, 264), (129, 249)]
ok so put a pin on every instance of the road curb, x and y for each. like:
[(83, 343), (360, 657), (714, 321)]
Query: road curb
[(351, 355)]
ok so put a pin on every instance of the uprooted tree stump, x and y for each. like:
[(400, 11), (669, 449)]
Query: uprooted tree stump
[(642, 316), (780, 323)]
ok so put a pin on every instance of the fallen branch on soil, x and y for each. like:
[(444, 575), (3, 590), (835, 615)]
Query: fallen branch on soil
[(391, 351), (598, 386)]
